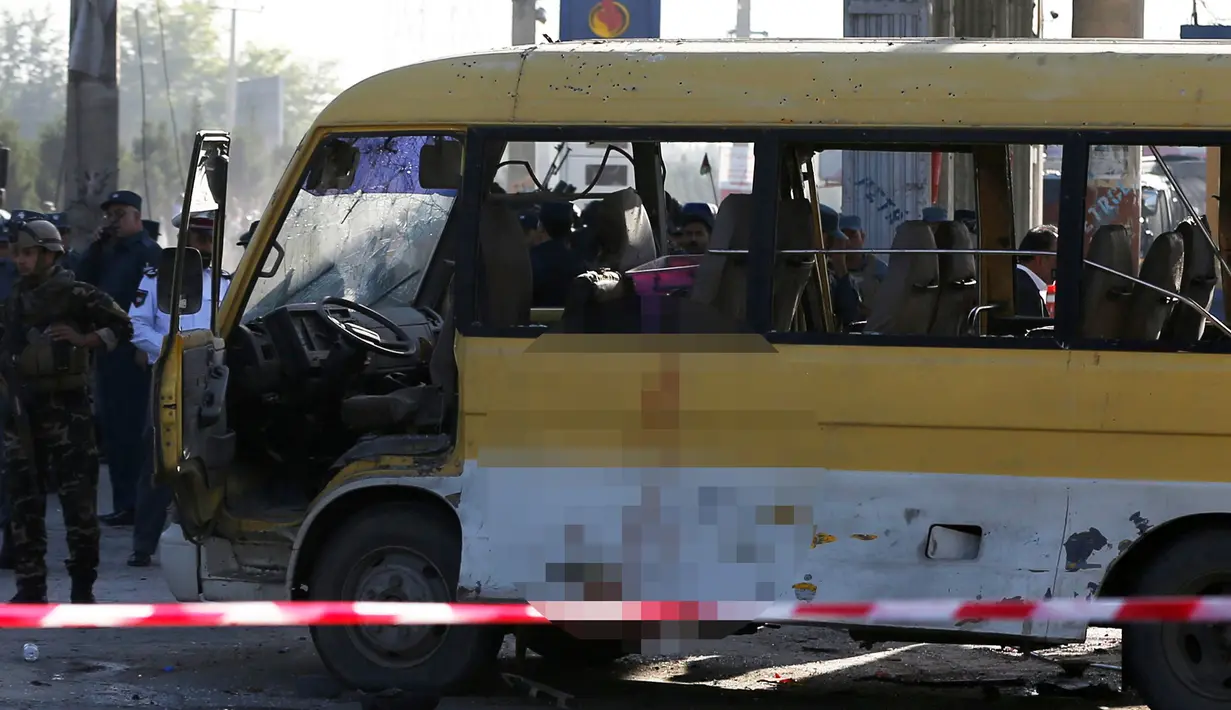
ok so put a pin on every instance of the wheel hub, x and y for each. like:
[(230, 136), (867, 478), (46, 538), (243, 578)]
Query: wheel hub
[(1201, 653), (398, 576)]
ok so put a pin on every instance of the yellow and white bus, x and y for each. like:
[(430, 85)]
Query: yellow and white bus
[(385, 409)]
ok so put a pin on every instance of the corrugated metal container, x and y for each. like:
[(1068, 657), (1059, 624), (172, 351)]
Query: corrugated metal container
[(885, 189)]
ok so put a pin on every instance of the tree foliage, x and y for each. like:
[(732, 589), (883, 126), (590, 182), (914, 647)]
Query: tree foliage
[(173, 82)]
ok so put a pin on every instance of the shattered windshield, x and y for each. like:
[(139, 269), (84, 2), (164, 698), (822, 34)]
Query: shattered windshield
[(369, 242)]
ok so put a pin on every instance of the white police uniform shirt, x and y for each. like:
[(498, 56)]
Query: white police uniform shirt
[(150, 325)]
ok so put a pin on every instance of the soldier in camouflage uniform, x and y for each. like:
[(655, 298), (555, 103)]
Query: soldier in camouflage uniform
[(51, 322)]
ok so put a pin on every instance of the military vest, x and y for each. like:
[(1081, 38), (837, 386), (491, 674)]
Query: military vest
[(44, 364)]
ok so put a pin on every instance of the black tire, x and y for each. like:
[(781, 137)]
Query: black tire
[(1181, 666), (560, 648), (415, 552)]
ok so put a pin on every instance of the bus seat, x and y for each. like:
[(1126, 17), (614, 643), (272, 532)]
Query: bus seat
[(959, 292), (721, 279), (906, 299), (1186, 326), (625, 237), (1148, 310), (792, 271), (1105, 296)]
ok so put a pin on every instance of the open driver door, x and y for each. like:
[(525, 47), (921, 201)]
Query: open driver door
[(193, 443)]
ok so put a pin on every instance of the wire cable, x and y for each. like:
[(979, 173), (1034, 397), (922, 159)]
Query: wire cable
[(145, 152), (166, 75)]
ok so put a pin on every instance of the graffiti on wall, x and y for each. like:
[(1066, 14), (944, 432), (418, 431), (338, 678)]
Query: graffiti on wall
[(876, 196)]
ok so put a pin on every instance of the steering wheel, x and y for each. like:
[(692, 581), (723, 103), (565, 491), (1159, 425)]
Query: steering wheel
[(363, 338)]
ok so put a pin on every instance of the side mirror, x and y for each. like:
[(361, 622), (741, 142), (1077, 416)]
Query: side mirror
[(192, 284)]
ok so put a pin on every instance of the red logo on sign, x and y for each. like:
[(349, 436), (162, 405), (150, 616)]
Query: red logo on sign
[(609, 19)]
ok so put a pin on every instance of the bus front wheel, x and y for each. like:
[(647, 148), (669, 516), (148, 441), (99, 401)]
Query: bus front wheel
[(398, 553), (1183, 666)]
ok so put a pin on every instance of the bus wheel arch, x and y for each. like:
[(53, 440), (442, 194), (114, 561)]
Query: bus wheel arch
[(401, 551), (1173, 666), (1121, 576), (349, 503)]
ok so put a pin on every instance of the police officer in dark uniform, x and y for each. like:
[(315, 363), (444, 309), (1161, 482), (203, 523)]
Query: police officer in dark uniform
[(50, 324), (116, 263), (8, 277)]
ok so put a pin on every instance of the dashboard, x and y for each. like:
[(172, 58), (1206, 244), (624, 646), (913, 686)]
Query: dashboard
[(291, 345)]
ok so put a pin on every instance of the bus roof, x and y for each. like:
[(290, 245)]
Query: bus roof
[(890, 83)]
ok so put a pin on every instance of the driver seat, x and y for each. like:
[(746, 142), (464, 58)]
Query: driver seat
[(504, 301)]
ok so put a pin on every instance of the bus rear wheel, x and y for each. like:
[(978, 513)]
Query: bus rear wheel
[(1183, 666), (400, 553)]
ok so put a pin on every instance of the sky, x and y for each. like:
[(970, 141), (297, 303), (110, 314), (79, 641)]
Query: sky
[(366, 37)]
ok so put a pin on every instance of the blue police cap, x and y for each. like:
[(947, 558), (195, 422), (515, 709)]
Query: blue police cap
[(829, 223), (7, 231), (699, 208), (59, 219), (851, 222), (123, 197), (697, 212), (935, 213), (529, 220), (27, 216)]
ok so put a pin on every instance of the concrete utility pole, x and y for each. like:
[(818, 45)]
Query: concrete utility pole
[(233, 65), (92, 130), (743, 21), (1115, 171), (1004, 19), (743, 18)]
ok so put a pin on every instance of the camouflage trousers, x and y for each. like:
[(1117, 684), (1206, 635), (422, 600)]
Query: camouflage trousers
[(64, 460)]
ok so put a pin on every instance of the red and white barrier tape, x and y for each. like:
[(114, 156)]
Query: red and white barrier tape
[(1099, 611)]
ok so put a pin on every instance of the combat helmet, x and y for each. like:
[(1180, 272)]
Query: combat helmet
[(35, 233)]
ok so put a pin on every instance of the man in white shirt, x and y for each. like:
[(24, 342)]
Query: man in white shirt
[(149, 331), (149, 324)]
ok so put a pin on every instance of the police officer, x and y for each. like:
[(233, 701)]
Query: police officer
[(115, 263), (8, 277), (841, 287), (867, 272), (51, 322), (149, 330)]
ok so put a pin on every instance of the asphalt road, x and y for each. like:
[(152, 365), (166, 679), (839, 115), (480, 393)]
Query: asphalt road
[(259, 669)]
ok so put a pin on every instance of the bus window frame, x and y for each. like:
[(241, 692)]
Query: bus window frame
[(1141, 138), (480, 174), (770, 141), (303, 159)]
